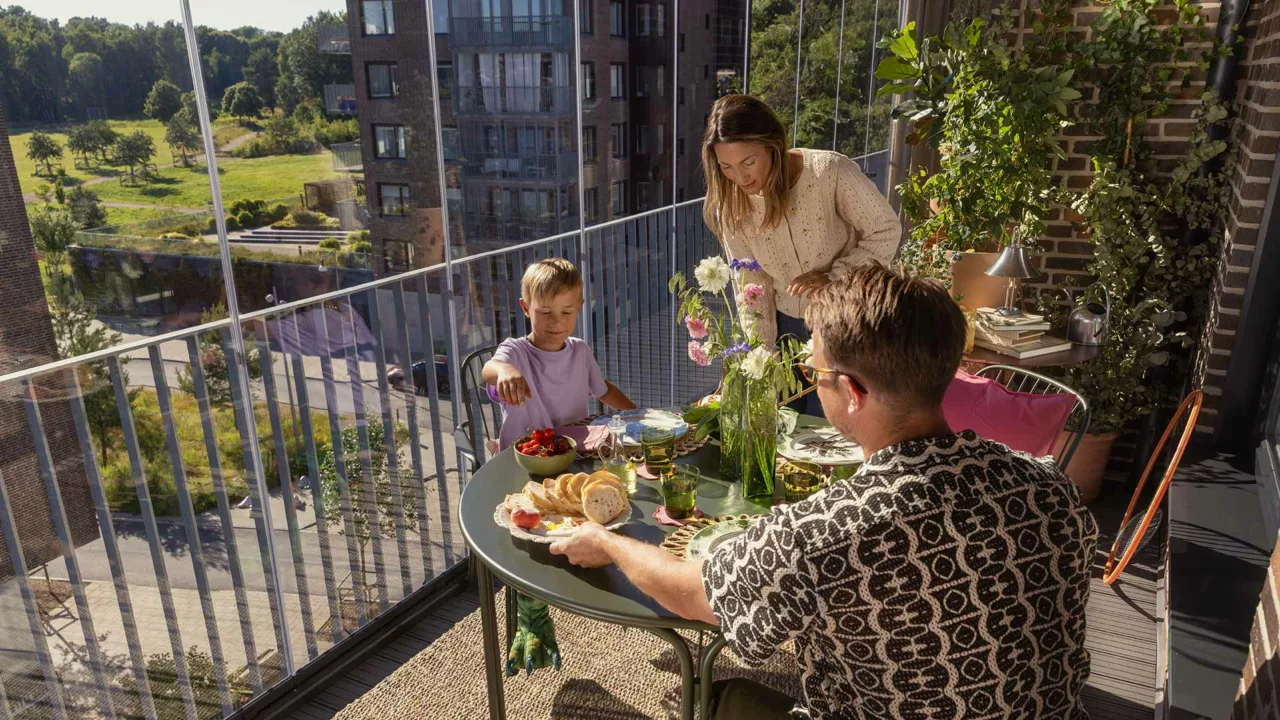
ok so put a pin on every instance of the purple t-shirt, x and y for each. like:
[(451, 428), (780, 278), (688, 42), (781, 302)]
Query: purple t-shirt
[(561, 385)]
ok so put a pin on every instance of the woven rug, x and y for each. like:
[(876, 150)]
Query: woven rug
[(609, 673)]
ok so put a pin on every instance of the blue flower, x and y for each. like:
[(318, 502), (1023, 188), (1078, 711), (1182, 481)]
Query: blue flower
[(737, 349), (745, 264)]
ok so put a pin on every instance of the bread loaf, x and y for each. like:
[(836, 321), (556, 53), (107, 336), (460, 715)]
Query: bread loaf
[(602, 502)]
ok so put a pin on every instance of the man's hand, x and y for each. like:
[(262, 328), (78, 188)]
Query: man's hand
[(513, 389), (808, 283), (586, 548)]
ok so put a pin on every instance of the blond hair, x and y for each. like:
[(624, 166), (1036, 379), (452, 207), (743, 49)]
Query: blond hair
[(900, 334), (545, 279), (743, 118)]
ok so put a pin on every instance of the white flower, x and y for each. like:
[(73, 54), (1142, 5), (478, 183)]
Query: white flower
[(712, 274), (806, 351), (756, 363)]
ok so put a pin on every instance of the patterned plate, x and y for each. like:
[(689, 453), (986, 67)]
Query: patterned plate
[(639, 419), (825, 446), (502, 517), (706, 540)]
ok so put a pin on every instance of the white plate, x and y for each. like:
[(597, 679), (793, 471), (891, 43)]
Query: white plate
[(502, 517), (639, 419), (824, 446), (708, 539)]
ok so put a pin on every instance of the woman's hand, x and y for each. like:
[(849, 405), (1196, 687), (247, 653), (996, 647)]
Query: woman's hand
[(808, 283)]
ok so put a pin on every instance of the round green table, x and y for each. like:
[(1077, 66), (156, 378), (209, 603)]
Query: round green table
[(602, 593)]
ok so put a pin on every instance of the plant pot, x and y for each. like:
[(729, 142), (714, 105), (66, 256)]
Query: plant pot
[(749, 436), (1090, 462), (970, 281)]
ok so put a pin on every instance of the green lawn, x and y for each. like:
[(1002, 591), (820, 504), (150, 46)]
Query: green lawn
[(267, 178), (124, 216), (224, 131)]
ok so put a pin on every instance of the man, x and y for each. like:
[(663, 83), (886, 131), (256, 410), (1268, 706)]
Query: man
[(947, 579)]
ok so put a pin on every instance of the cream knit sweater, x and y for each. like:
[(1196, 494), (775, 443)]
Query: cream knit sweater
[(836, 219)]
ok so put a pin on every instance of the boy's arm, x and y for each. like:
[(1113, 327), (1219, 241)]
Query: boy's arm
[(616, 399), (510, 384)]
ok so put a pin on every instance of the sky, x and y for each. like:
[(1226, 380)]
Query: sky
[(282, 15)]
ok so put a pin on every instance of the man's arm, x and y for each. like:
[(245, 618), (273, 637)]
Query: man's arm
[(616, 399), (675, 584)]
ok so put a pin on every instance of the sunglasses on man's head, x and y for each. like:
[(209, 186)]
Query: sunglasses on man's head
[(811, 373)]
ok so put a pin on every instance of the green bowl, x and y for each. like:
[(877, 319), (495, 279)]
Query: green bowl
[(553, 465)]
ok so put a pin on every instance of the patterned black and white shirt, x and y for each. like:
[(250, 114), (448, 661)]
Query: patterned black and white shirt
[(947, 579)]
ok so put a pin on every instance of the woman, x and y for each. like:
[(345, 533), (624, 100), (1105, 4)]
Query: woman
[(804, 215)]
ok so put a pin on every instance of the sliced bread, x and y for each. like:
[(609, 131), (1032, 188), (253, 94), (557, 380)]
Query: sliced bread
[(576, 485), (538, 495), (602, 502), (607, 478), (520, 501)]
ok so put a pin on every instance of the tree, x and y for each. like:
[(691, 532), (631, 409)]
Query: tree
[(86, 80), (135, 151), (81, 142), (163, 102), (76, 333), (304, 70), (282, 135), (263, 71), (85, 208), (183, 136), (213, 359), (101, 137), (242, 100), (42, 149), (189, 104), (53, 228)]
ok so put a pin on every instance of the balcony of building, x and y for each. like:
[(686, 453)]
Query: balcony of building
[(333, 39), (494, 33), (515, 100), (340, 99)]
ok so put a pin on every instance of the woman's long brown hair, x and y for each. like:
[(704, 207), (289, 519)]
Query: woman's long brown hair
[(743, 118)]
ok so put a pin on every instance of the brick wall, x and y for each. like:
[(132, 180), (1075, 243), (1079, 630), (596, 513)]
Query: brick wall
[(1256, 695), (1257, 133), (26, 340)]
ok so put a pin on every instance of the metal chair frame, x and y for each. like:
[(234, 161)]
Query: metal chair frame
[(1026, 381), (478, 410)]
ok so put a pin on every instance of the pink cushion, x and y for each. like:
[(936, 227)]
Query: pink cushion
[(1023, 421)]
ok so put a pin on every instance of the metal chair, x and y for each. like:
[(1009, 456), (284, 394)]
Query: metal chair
[(1019, 380), (1131, 537), (481, 414)]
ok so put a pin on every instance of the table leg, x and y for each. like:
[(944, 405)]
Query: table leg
[(687, 669), (492, 652), (706, 671), (512, 609)]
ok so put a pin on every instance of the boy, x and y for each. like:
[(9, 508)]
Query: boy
[(547, 378)]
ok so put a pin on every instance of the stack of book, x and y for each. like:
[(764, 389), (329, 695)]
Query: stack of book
[(1018, 337)]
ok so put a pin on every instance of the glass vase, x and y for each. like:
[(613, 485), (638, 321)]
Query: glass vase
[(749, 435)]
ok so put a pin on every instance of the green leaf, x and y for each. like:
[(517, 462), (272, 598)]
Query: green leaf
[(903, 44), (1069, 93), (707, 427), (895, 68), (1065, 76)]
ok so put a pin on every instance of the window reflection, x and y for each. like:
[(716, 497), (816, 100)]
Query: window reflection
[(379, 17)]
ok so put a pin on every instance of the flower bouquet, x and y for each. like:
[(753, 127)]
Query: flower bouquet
[(723, 328)]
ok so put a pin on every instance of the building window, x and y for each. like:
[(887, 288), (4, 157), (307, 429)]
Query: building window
[(642, 196), (618, 139), (617, 80), (680, 146), (589, 143), (395, 199), (388, 142), (591, 204), (662, 79), (379, 18), (642, 81), (662, 138), (587, 15), (617, 19), (642, 142), (444, 80), (661, 20), (382, 80), (452, 143), (440, 13), (588, 81), (642, 19), (618, 197)]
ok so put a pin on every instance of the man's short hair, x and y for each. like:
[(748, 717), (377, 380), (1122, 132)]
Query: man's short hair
[(900, 334), (548, 278)]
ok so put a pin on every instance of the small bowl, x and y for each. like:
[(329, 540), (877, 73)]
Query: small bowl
[(552, 465)]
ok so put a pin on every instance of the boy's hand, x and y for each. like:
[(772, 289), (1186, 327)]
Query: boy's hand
[(513, 389)]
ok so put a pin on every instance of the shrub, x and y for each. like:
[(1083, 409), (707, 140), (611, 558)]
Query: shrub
[(308, 219), (177, 236), (356, 236), (360, 246), (330, 244), (233, 223), (328, 132), (246, 219), (279, 212)]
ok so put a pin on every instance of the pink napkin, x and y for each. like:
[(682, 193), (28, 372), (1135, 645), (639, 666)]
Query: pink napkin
[(660, 514), (642, 470), (588, 437)]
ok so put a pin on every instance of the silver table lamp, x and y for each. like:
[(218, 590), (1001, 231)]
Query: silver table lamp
[(1014, 264)]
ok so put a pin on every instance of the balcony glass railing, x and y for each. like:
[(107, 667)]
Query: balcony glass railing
[(340, 99), (515, 100), (527, 31)]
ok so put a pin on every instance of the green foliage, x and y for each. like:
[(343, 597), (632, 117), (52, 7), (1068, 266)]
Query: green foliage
[(163, 102), (53, 228), (85, 208), (386, 510), (302, 218), (330, 244), (362, 246), (303, 69), (213, 360), (82, 143), (331, 132), (183, 136), (43, 150), (994, 111), (76, 332), (242, 100), (356, 236), (135, 152)]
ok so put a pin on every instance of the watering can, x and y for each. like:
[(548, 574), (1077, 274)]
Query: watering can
[(1087, 324)]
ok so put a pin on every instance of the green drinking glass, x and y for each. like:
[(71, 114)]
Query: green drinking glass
[(659, 449), (680, 490)]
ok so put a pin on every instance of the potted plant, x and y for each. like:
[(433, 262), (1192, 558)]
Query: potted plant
[(993, 111), (753, 374)]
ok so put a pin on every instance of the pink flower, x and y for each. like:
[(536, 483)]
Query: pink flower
[(698, 353), (697, 327), (751, 295)]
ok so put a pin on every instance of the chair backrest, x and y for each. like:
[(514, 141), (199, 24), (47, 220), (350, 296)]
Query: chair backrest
[(1026, 381), (483, 416)]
